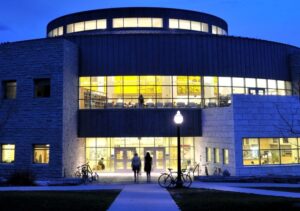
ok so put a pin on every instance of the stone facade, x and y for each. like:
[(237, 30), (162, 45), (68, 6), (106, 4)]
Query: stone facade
[(38, 120), (262, 117), (217, 130)]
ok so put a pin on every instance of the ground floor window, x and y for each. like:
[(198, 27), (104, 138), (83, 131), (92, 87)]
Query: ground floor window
[(115, 154), (7, 153), (41, 153), (225, 156), (270, 151)]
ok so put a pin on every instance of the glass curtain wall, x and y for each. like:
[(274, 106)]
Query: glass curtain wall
[(270, 151), (118, 152), (171, 91)]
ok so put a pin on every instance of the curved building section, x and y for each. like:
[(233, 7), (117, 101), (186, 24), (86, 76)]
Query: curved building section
[(132, 19)]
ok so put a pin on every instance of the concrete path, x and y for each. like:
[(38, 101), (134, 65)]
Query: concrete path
[(140, 197), (246, 188)]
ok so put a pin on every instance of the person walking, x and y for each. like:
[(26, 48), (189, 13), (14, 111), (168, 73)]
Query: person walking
[(136, 166), (148, 166)]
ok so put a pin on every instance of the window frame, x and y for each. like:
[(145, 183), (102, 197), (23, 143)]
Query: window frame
[(41, 80), (46, 147)]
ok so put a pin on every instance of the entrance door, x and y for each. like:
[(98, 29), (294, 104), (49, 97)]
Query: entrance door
[(256, 91), (158, 158), (123, 158)]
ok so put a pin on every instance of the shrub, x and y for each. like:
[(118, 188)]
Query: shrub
[(21, 178), (226, 173)]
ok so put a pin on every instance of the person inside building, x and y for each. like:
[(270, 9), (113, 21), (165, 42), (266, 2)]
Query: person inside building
[(136, 166), (141, 101), (101, 164)]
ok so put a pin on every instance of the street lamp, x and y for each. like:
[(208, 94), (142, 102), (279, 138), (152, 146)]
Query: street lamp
[(178, 119)]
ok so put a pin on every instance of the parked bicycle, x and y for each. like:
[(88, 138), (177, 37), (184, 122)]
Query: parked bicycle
[(192, 170), (167, 180), (86, 173)]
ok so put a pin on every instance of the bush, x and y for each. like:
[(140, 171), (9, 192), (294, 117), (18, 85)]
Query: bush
[(226, 173), (21, 178)]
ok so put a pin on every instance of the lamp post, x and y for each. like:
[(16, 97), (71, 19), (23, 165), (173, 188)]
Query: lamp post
[(178, 119)]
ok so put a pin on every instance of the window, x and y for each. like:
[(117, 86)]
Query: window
[(10, 89), (216, 155), (78, 27), (130, 22), (42, 87), (7, 153), (101, 24), (41, 153), (185, 24), (137, 22), (165, 91), (208, 154), (225, 156), (270, 151), (173, 23), (91, 25)]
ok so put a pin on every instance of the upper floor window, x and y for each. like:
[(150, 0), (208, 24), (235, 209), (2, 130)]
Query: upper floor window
[(56, 32), (87, 25), (41, 153), (188, 25), (137, 22), (10, 89), (42, 87), (7, 153)]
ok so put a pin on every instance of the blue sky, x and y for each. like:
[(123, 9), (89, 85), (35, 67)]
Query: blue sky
[(275, 20)]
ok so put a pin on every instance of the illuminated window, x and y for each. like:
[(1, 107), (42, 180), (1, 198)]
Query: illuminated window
[(250, 82), (42, 87), (261, 83), (130, 22), (214, 29), (225, 156), (204, 27), (157, 22), (91, 25), (173, 23), (185, 24), (118, 23), (216, 155), (270, 151), (196, 26), (7, 153), (144, 22), (101, 24), (208, 154), (41, 153), (9, 89), (78, 27), (70, 28)]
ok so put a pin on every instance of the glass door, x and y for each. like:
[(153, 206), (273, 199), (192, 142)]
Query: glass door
[(158, 158), (123, 158)]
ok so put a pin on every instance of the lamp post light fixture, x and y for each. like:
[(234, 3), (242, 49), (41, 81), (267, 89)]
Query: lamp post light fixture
[(178, 119)]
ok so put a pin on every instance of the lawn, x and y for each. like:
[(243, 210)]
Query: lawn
[(285, 189), (57, 200), (203, 199)]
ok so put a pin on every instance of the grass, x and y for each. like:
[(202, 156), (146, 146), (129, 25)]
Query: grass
[(208, 200), (285, 189), (57, 200)]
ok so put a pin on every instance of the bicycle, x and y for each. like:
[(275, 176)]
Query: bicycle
[(192, 170), (167, 180), (86, 173)]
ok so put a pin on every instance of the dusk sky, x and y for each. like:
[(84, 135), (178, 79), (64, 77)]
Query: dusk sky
[(275, 20)]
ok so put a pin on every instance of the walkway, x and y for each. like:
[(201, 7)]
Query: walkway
[(246, 188), (140, 197)]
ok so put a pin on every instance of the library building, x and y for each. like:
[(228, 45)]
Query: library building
[(106, 84)]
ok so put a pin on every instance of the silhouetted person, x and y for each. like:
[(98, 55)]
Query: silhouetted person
[(148, 166), (136, 166), (141, 101)]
